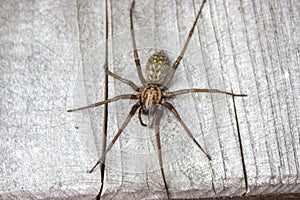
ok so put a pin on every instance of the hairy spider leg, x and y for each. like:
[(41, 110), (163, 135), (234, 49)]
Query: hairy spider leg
[(116, 98), (130, 115), (128, 82), (157, 133), (136, 55), (194, 90), (177, 62), (174, 111)]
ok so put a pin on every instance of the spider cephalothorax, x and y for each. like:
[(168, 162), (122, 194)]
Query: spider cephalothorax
[(152, 98)]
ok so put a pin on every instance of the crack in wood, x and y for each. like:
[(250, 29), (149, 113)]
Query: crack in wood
[(241, 148)]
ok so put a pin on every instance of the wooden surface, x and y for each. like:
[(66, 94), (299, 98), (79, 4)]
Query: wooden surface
[(52, 54)]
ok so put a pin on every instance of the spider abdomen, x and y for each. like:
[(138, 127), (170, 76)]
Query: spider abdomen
[(157, 67), (151, 95)]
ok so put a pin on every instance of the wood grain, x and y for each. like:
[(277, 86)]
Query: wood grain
[(52, 55)]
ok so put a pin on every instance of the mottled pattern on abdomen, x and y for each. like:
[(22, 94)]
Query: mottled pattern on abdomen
[(157, 67)]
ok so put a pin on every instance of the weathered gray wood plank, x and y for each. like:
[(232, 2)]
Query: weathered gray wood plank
[(52, 54), (42, 154)]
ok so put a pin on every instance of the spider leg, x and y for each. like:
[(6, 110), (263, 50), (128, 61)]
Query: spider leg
[(140, 117), (130, 115), (185, 91), (129, 82), (116, 98), (157, 124), (136, 55), (177, 62), (174, 111)]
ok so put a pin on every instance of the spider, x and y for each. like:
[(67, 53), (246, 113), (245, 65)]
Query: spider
[(152, 95)]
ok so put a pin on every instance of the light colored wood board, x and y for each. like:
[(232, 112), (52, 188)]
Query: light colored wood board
[(42, 154), (248, 46), (230, 50), (275, 138)]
